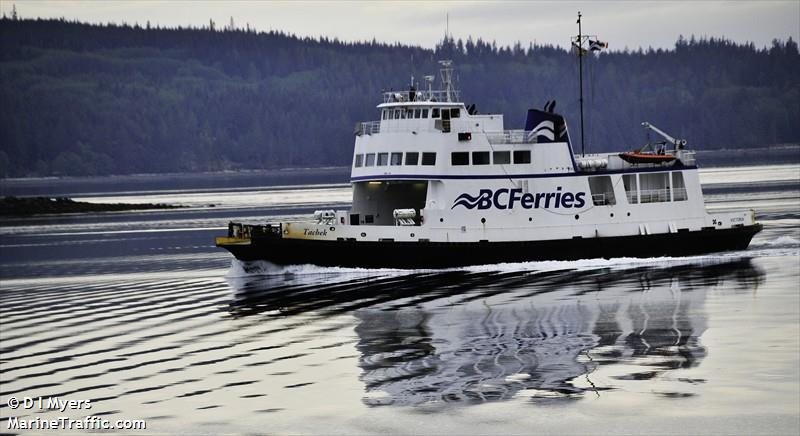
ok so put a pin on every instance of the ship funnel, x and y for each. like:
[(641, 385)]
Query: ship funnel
[(547, 126)]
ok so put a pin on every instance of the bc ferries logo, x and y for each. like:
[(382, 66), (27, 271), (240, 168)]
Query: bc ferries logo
[(505, 198)]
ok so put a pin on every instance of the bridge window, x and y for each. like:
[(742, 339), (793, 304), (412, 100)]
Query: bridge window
[(412, 157), (370, 160), (425, 113), (383, 159), (678, 187), (391, 114), (397, 159), (397, 114), (435, 112), (384, 115), (428, 158), (454, 113), (417, 113), (522, 156), (501, 157), (602, 191), (459, 158), (480, 158), (359, 160)]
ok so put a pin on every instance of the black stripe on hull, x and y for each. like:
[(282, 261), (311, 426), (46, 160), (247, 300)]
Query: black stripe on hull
[(369, 254)]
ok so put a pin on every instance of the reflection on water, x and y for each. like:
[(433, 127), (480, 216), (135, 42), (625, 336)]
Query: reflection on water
[(461, 336)]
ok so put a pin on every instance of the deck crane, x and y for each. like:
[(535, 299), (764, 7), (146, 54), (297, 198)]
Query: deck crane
[(678, 143)]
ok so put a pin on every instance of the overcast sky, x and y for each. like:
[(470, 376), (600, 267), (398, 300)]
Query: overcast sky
[(620, 23)]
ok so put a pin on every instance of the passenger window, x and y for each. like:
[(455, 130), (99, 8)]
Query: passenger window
[(522, 157), (383, 159), (397, 159), (654, 187), (602, 191), (425, 113), (370, 161), (359, 160), (459, 158), (428, 158), (412, 157), (631, 190), (435, 112), (678, 187), (501, 157), (454, 113), (480, 158)]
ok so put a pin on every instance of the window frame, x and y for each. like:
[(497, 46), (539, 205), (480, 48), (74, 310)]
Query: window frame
[(526, 161), (486, 154), (506, 153), (459, 158), (382, 157), (392, 160)]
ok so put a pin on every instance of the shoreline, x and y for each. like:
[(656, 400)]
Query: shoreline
[(29, 206)]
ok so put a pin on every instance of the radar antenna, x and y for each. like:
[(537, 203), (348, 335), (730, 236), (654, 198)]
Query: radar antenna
[(429, 81)]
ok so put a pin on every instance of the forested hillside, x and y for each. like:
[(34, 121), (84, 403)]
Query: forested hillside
[(80, 99)]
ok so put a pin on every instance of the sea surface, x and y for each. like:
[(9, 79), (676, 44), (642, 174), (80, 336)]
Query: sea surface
[(139, 313)]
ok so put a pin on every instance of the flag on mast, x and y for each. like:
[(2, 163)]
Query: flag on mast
[(597, 45)]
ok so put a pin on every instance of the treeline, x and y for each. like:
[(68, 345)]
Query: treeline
[(81, 99)]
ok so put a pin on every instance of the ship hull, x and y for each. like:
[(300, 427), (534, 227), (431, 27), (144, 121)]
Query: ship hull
[(414, 255)]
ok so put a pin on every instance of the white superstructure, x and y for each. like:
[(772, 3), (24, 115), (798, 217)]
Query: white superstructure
[(470, 179)]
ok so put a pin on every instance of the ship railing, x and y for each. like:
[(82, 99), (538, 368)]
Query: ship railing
[(603, 199), (654, 195), (367, 128), (687, 157), (419, 96), (511, 137)]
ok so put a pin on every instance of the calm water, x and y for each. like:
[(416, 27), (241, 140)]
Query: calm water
[(140, 314)]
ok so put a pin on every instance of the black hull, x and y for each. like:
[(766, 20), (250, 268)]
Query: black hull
[(363, 254)]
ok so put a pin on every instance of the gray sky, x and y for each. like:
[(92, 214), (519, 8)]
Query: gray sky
[(621, 23)]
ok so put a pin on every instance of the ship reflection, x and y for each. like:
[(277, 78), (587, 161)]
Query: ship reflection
[(472, 337)]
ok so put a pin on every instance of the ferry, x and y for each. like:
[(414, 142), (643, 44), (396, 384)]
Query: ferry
[(437, 185)]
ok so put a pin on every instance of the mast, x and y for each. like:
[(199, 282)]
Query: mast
[(577, 44), (580, 79)]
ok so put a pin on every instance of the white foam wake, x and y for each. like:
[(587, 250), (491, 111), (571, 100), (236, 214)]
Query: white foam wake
[(251, 269), (780, 241)]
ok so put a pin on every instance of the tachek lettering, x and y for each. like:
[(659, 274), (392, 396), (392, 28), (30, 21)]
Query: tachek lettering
[(505, 198)]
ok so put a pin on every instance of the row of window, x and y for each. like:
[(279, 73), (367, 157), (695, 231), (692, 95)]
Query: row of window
[(497, 157), (639, 188), (394, 159), (404, 113), (457, 158)]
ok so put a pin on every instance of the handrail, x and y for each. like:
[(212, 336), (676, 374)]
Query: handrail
[(603, 199), (654, 195), (494, 137), (511, 137), (421, 96)]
